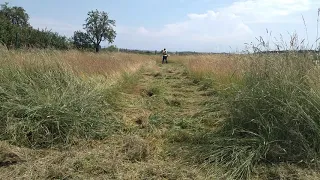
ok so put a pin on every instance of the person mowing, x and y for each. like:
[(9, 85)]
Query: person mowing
[(164, 56)]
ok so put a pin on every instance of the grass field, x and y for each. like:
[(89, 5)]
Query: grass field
[(74, 115)]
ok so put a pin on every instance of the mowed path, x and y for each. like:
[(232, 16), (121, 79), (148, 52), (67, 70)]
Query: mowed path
[(167, 92), (162, 108), (167, 108)]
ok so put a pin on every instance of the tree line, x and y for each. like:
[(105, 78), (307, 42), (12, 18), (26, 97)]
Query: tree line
[(16, 31)]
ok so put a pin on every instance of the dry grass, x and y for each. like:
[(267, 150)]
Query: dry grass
[(224, 69), (272, 98), (131, 153), (119, 157), (152, 111), (50, 97), (107, 65)]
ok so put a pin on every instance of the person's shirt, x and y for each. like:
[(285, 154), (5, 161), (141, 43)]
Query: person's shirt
[(164, 52)]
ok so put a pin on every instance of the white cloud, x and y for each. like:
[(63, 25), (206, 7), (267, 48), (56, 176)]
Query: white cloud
[(259, 11), (209, 14), (54, 25), (229, 25), (210, 27), (143, 30)]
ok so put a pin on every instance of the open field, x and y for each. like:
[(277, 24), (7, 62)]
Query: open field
[(73, 115)]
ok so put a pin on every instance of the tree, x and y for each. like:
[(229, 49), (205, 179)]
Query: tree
[(100, 28), (15, 31), (82, 40), (15, 15), (12, 21)]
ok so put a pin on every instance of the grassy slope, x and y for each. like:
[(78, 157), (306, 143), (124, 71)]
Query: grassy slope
[(165, 112)]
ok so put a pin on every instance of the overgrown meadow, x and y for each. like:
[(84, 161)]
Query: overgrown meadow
[(62, 101), (53, 98), (272, 100)]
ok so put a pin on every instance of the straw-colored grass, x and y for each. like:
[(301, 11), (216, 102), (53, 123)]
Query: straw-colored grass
[(52, 98), (123, 116), (273, 110), (224, 69), (61, 119), (108, 65)]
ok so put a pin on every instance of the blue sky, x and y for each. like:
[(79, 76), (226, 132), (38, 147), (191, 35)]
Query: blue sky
[(196, 25)]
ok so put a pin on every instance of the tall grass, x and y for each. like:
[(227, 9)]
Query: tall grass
[(52, 99), (274, 110), (85, 64), (274, 117), (223, 69)]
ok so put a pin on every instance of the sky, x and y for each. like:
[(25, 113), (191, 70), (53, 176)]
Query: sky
[(183, 25)]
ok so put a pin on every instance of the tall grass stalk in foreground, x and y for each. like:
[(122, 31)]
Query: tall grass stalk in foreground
[(45, 101)]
